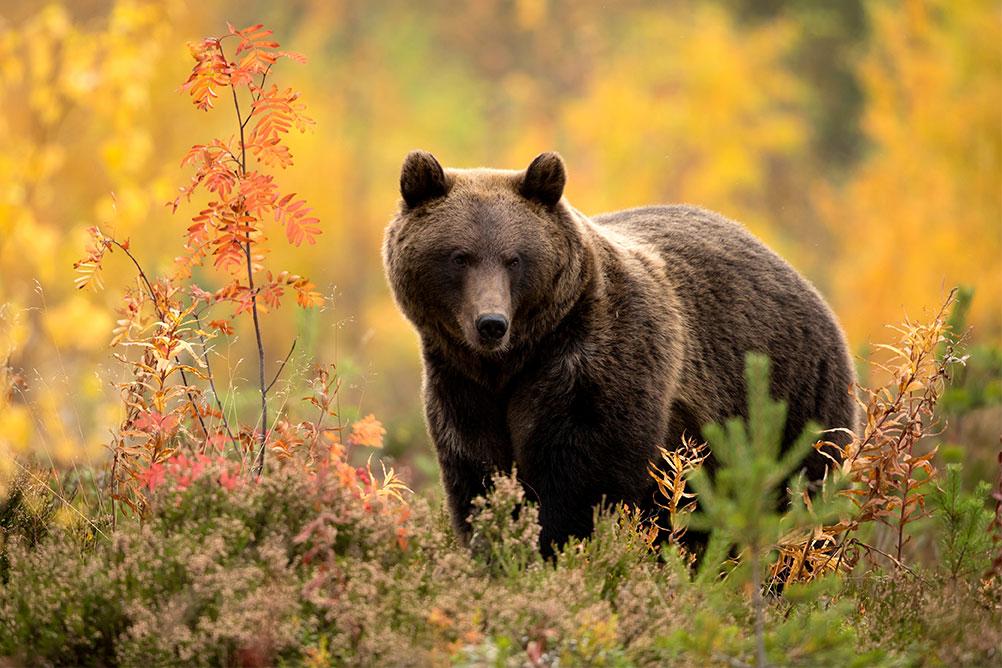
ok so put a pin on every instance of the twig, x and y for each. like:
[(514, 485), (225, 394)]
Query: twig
[(142, 274), (761, 661), (897, 562), (282, 366), (212, 383), (264, 77)]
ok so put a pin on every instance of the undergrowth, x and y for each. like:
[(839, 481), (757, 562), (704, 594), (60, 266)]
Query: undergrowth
[(326, 570), (321, 563)]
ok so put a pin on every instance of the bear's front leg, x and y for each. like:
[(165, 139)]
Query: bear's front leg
[(561, 518), (573, 456), (464, 480), (470, 438), (561, 471)]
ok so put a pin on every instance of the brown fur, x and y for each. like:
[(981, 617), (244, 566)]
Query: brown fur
[(624, 331)]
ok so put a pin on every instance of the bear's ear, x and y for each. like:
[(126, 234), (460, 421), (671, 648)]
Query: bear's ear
[(421, 179), (544, 179)]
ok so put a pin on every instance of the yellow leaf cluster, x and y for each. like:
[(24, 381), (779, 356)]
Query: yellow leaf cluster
[(924, 211)]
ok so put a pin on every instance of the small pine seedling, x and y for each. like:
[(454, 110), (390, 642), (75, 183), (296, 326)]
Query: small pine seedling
[(739, 505)]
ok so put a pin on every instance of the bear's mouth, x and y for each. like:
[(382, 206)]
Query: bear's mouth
[(492, 346), (484, 345), (487, 346)]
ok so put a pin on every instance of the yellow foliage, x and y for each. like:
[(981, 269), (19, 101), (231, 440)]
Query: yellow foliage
[(78, 323), (924, 211), (687, 110), (15, 428), (66, 517)]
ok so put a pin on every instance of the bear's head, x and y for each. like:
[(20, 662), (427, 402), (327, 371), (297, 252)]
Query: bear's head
[(484, 258)]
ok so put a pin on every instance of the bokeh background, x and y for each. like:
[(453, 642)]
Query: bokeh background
[(861, 139)]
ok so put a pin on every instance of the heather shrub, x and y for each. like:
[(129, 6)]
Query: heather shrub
[(931, 619), (220, 572), (322, 562), (620, 547), (505, 527), (327, 567), (201, 599)]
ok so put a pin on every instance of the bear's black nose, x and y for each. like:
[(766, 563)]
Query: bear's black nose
[(492, 326)]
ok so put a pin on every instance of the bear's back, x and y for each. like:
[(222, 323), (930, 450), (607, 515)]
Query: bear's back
[(737, 296), (689, 235), (715, 262)]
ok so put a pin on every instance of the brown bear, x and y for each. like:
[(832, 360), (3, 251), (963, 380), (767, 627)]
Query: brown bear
[(573, 347)]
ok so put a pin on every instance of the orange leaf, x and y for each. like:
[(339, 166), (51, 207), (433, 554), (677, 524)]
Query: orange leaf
[(368, 432)]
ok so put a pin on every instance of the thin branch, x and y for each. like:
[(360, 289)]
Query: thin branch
[(264, 77), (259, 465), (282, 366), (236, 106), (212, 383), (142, 274), (897, 562)]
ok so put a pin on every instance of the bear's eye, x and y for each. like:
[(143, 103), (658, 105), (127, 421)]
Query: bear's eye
[(512, 263), (460, 260)]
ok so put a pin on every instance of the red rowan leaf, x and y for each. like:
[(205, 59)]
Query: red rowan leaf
[(256, 61), (258, 53), (293, 56), (200, 295), (154, 422), (229, 254), (210, 72), (216, 168), (276, 113), (299, 226), (306, 297), (222, 326), (270, 295), (237, 294), (254, 37), (272, 153), (258, 192)]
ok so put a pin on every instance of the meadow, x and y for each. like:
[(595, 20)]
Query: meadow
[(211, 443)]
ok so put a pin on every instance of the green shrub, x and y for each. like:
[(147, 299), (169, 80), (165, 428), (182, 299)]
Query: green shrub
[(965, 546)]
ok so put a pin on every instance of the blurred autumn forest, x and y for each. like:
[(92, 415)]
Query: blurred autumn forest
[(862, 140)]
